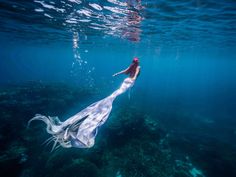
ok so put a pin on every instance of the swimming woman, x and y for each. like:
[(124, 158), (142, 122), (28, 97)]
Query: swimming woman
[(81, 129)]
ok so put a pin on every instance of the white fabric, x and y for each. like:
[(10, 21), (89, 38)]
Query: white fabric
[(81, 129)]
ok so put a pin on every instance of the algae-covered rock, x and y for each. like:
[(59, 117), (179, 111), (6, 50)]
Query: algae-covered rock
[(79, 167), (12, 160)]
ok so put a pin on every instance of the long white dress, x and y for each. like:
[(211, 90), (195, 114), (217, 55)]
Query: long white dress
[(81, 129)]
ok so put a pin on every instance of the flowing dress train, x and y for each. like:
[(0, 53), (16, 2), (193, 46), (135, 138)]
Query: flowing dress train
[(81, 129)]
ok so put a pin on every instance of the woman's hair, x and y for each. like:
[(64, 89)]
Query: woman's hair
[(133, 65)]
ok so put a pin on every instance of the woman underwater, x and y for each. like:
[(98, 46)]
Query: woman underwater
[(81, 129)]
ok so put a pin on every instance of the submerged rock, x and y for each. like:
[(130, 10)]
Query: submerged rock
[(12, 160)]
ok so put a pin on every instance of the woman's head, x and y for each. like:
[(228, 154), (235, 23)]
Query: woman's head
[(136, 60)]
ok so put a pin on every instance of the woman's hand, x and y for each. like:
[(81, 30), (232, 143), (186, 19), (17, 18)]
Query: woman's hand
[(114, 74)]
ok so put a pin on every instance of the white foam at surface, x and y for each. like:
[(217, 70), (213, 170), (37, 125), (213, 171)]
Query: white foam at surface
[(38, 10), (114, 9), (85, 12), (95, 6), (47, 15), (71, 21), (50, 6), (117, 2), (76, 1), (84, 20)]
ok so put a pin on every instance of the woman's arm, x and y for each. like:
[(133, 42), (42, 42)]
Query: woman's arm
[(121, 72)]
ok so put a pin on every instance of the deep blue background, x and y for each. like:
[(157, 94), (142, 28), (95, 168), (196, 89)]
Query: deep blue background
[(187, 57)]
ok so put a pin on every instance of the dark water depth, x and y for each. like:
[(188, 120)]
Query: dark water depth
[(58, 57)]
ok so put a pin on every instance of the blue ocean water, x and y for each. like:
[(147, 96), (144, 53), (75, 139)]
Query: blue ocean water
[(57, 57)]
